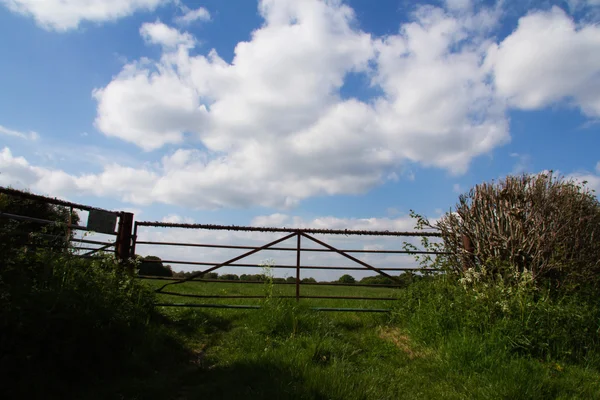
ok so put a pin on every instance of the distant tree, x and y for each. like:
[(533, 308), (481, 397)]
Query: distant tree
[(210, 275), (229, 277), (278, 280), (309, 280), (290, 279), (377, 280), (153, 266), (347, 279)]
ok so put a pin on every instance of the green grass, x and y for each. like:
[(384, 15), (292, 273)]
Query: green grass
[(287, 351), (212, 288), (87, 330)]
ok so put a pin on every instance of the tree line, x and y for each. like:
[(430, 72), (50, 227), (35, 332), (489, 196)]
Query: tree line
[(153, 266)]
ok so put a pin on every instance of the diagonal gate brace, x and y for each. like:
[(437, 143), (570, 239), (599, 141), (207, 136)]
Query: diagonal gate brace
[(356, 260), (224, 264)]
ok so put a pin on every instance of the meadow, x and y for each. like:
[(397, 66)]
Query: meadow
[(287, 351)]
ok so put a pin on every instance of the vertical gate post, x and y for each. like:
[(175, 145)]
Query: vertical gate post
[(298, 268), (123, 245), (469, 258)]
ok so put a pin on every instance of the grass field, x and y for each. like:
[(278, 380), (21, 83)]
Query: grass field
[(261, 289), (286, 351)]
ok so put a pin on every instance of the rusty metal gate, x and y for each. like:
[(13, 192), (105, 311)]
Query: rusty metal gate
[(289, 234)]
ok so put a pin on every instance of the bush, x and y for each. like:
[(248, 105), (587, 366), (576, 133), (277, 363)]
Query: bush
[(66, 320), (153, 266), (16, 234), (548, 226)]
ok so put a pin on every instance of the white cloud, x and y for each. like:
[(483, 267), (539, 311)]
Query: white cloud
[(273, 126), (31, 135), (280, 220), (456, 188), (159, 33), (177, 219), (592, 179), (62, 15), (199, 14), (548, 59), (148, 108), (275, 109)]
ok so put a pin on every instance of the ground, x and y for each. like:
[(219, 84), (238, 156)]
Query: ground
[(286, 351)]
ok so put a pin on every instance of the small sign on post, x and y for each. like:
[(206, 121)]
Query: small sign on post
[(102, 221)]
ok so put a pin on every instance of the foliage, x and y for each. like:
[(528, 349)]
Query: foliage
[(15, 234), (153, 266), (519, 318), (538, 223), (229, 277), (66, 320), (347, 279)]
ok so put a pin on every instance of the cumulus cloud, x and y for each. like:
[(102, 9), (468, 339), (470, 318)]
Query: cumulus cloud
[(189, 16), (549, 58), (274, 128), (159, 33), (268, 115), (62, 15)]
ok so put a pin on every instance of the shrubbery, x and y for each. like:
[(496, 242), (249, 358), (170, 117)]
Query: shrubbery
[(546, 226), (528, 286), (66, 319)]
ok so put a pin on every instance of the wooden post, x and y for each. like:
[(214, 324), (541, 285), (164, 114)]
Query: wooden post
[(69, 221), (298, 269), (469, 258), (123, 245)]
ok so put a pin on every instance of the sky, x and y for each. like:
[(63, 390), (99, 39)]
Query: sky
[(328, 114)]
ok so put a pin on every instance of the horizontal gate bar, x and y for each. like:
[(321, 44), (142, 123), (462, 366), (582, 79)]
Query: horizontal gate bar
[(381, 310), (235, 296), (275, 283), (324, 250), (287, 266), (288, 230)]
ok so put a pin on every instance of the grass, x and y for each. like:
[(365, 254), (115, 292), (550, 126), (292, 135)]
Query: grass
[(286, 351), (89, 331), (212, 288)]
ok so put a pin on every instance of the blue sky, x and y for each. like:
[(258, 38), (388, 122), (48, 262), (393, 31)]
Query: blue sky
[(341, 113)]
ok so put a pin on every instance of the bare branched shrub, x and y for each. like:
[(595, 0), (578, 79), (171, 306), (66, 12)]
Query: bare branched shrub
[(542, 224)]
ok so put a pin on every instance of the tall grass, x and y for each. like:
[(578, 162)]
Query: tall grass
[(521, 320)]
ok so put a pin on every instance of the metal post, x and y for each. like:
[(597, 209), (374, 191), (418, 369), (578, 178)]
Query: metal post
[(298, 249), (123, 245), (134, 239)]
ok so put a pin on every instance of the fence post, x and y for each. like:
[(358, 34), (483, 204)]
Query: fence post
[(469, 258), (298, 269), (123, 245)]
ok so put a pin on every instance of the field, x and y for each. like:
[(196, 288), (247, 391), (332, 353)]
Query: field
[(285, 351), (261, 289)]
